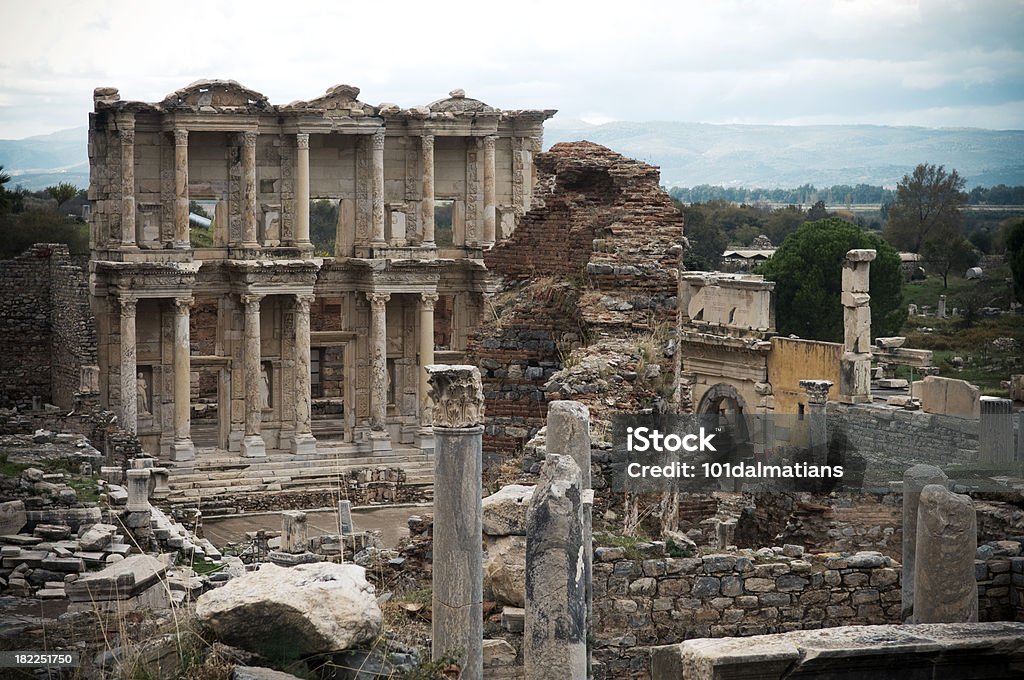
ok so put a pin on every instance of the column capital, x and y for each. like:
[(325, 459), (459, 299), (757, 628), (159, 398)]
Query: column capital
[(182, 304), (458, 394), (249, 139), (128, 303), (817, 390), (251, 299), (429, 300), (303, 301), (127, 135), (378, 299), (428, 140), (180, 137), (302, 140), (488, 142), (378, 139)]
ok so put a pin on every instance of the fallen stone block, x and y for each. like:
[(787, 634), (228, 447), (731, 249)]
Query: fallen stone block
[(119, 581)]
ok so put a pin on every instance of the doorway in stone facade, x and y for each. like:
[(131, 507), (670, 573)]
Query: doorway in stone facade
[(210, 402)]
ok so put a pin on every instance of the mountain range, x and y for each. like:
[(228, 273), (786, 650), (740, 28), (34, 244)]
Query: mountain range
[(688, 154)]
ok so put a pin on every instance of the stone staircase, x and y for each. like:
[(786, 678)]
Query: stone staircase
[(214, 472)]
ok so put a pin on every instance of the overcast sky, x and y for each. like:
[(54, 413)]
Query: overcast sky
[(934, 63)]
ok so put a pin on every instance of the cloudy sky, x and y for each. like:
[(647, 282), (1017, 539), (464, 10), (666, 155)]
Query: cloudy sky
[(934, 63)]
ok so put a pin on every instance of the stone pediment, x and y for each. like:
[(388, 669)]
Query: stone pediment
[(459, 104), (216, 95), (339, 101)]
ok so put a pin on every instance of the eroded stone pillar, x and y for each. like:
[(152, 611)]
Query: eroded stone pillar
[(249, 190), (252, 444), (555, 636), (458, 582), (941, 311), (378, 367), (377, 189), (817, 425), (995, 431), (344, 517), (568, 434), (490, 200), (129, 396), (855, 365), (294, 531), (182, 448), (181, 225), (303, 442), (126, 133), (945, 590), (914, 481), (427, 302), (427, 204), (138, 490), (302, 190)]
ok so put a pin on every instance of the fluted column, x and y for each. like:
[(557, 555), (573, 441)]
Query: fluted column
[(126, 127), (489, 193), (181, 226), (252, 443), (377, 188), (249, 190), (303, 442), (427, 302), (378, 364), (302, 189), (428, 191), (129, 397), (182, 449)]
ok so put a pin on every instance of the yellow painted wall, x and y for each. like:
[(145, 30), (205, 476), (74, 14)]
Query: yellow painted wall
[(791, 361)]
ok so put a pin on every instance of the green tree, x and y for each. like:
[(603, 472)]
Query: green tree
[(783, 222), (1015, 253), (807, 271), (62, 193), (818, 211), (6, 197), (323, 225), (927, 207), (707, 240), (955, 256)]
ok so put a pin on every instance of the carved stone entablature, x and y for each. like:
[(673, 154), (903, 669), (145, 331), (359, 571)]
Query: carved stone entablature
[(459, 104), (817, 390), (296, 276), (216, 95), (149, 279), (339, 101), (457, 394)]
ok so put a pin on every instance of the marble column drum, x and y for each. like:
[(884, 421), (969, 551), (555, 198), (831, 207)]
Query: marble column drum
[(249, 190), (129, 397), (427, 204), (126, 133), (182, 448), (253, 445), (377, 189), (378, 367), (181, 225), (490, 207), (303, 441), (302, 190)]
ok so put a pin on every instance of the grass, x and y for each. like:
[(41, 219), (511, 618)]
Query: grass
[(627, 543), (993, 288)]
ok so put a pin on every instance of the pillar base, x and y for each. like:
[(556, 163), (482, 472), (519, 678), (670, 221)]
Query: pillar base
[(253, 446), (380, 441), (303, 444), (182, 450)]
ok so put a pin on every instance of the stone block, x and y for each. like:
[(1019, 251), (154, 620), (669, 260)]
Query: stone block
[(948, 396)]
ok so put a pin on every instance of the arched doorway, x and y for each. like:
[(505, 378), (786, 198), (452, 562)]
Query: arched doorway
[(726, 404)]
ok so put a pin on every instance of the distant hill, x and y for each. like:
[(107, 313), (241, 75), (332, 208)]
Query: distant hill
[(688, 153), (777, 156)]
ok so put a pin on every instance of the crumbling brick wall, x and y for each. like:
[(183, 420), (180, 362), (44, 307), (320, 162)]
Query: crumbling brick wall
[(47, 330)]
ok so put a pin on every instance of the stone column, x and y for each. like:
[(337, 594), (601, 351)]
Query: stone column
[(138, 490), (249, 190), (182, 448), (344, 517), (490, 199), (941, 311), (555, 636), (302, 190), (914, 481), (129, 397), (995, 432), (377, 189), (855, 365), (253, 445), (427, 204), (181, 225), (294, 532), (945, 590), (303, 442), (126, 132), (427, 302), (458, 515), (817, 425), (568, 434), (378, 368)]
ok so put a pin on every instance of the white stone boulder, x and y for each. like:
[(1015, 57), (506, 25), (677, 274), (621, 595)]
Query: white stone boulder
[(287, 613), (505, 510), (505, 570)]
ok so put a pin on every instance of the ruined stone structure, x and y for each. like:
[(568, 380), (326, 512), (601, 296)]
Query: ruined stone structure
[(255, 167)]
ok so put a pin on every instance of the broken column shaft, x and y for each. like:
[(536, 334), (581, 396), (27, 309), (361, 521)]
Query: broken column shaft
[(855, 366), (914, 480), (458, 582)]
